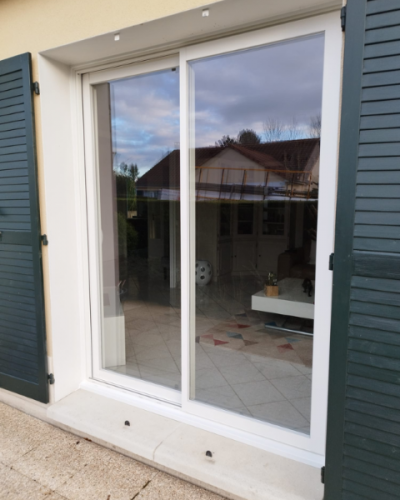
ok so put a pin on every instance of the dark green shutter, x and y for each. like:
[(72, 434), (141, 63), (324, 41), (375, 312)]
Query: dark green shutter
[(363, 441), (23, 361)]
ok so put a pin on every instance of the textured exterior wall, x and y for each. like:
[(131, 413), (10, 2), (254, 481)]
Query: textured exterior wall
[(36, 25)]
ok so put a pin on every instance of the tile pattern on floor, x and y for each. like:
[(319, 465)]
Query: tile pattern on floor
[(41, 462), (241, 364)]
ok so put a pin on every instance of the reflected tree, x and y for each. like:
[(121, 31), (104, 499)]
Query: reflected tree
[(225, 141), (315, 126), (126, 178), (247, 136), (274, 130)]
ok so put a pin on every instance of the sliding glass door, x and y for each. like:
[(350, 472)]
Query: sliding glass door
[(210, 191), (138, 194)]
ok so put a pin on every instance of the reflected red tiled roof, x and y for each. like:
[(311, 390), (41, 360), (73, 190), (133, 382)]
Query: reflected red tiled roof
[(293, 155), (166, 173)]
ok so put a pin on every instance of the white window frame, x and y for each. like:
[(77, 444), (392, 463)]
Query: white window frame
[(262, 434)]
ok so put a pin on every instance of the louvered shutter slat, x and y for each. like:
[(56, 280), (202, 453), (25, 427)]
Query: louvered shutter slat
[(363, 442)]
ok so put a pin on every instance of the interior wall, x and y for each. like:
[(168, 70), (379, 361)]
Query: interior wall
[(113, 350)]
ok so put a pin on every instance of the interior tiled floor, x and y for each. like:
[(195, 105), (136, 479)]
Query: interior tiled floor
[(241, 365)]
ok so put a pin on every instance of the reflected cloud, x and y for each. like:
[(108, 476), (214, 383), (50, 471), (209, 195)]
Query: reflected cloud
[(145, 118), (244, 89), (232, 92)]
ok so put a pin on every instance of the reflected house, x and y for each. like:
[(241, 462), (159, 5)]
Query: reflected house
[(250, 206)]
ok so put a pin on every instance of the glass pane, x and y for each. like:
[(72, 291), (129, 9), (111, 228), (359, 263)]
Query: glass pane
[(257, 116), (273, 218), (139, 184), (225, 219), (245, 218)]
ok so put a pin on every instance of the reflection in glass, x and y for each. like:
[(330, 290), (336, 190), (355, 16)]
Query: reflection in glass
[(139, 184), (256, 116)]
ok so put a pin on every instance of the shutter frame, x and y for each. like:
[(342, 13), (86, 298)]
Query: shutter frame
[(19, 382)]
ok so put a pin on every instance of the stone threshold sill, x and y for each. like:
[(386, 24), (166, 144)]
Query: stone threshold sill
[(236, 470)]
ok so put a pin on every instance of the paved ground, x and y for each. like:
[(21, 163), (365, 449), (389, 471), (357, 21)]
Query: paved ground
[(40, 462)]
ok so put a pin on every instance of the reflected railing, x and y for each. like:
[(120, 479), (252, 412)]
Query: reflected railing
[(253, 184)]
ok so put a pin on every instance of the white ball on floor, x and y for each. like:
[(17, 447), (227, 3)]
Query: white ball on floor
[(203, 272)]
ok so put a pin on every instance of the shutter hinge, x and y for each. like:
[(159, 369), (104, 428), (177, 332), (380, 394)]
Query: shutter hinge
[(331, 257), (44, 239), (51, 378), (343, 17), (35, 88), (323, 474)]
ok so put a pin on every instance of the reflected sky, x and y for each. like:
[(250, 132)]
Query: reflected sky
[(235, 91), (145, 118)]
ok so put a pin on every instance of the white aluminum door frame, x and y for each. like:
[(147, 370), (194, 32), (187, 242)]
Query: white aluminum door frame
[(329, 25)]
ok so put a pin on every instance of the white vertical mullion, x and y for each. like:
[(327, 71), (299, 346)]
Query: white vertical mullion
[(192, 227), (185, 228)]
